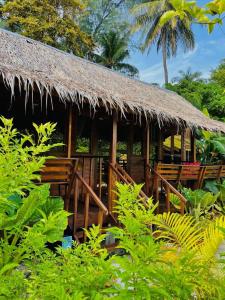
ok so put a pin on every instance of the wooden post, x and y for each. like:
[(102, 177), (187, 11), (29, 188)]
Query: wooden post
[(113, 152), (183, 146), (147, 157), (69, 136), (114, 139), (193, 147)]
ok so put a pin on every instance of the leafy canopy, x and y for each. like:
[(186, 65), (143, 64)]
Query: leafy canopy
[(218, 75), (53, 22)]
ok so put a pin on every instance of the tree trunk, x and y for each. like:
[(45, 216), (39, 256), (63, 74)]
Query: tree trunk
[(166, 76)]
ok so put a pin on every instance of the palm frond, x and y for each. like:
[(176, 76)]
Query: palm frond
[(212, 238), (181, 231)]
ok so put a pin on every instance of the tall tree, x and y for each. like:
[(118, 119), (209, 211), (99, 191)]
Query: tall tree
[(113, 53), (152, 18), (53, 22), (103, 15)]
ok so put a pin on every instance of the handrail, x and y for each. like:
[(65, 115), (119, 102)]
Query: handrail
[(125, 177), (96, 199), (170, 188)]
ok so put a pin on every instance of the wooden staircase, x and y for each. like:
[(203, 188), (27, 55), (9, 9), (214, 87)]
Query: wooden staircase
[(162, 190)]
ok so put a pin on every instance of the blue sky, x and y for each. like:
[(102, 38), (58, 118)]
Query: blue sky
[(209, 50)]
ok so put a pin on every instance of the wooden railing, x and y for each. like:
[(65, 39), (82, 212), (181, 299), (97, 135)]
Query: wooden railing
[(83, 190), (94, 169), (120, 175), (160, 181), (196, 173)]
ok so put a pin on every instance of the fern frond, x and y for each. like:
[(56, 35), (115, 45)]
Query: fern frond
[(212, 238), (181, 231)]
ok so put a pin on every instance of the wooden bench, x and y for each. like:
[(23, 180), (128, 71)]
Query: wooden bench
[(59, 172)]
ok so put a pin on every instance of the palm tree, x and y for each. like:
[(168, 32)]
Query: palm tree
[(188, 75), (161, 25), (114, 51)]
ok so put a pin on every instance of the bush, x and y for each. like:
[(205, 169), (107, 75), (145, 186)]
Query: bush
[(176, 260)]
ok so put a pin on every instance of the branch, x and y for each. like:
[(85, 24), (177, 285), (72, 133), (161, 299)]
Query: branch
[(106, 13)]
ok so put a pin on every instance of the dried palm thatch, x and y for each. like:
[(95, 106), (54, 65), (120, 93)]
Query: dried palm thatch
[(30, 64)]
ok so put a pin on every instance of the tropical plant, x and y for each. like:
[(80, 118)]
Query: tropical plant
[(175, 252), (153, 19), (200, 204), (210, 147), (113, 53), (188, 75), (29, 217), (211, 14), (176, 261), (216, 187)]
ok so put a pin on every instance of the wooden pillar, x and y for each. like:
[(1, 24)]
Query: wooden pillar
[(112, 176), (147, 157), (193, 147), (160, 146), (69, 132), (183, 146), (114, 139)]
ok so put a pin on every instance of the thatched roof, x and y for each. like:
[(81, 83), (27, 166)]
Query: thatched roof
[(31, 63)]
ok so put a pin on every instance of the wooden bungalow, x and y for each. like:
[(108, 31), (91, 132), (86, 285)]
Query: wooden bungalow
[(114, 128)]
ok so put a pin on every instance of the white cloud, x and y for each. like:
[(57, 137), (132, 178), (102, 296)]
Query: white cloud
[(155, 74)]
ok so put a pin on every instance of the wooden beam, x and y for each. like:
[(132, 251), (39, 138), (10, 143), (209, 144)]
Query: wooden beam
[(69, 132)]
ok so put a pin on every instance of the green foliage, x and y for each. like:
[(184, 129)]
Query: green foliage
[(53, 22), (29, 217), (170, 269), (104, 15), (200, 203), (174, 262), (214, 187), (218, 74), (21, 157), (211, 147), (200, 93), (210, 14)]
